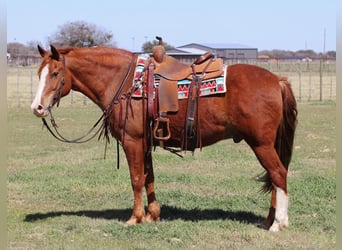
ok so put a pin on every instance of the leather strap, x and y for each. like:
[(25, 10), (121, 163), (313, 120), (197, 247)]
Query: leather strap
[(203, 58), (150, 84), (191, 129)]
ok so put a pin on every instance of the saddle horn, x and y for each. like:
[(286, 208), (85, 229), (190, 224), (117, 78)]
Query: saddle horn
[(158, 51), (160, 40)]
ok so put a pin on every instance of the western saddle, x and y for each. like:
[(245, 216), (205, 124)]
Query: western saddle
[(169, 71)]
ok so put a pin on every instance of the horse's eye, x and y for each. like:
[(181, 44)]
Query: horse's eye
[(54, 74)]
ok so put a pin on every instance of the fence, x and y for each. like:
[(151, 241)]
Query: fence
[(22, 84), (315, 80), (311, 81)]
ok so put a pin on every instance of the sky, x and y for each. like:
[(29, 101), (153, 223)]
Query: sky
[(263, 24)]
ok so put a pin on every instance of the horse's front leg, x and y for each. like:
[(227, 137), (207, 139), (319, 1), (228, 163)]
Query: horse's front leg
[(135, 158), (153, 206)]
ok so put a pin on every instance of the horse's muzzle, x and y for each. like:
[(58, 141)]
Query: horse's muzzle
[(40, 110)]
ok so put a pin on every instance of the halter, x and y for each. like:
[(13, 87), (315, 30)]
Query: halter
[(104, 116), (57, 97)]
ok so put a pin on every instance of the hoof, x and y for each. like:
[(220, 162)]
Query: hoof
[(153, 213), (274, 228), (134, 220), (150, 218), (277, 226), (266, 224)]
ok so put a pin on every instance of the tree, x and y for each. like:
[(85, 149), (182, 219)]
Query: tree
[(81, 34), (147, 46), (331, 54), (32, 47), (306, 53), (16, 49)]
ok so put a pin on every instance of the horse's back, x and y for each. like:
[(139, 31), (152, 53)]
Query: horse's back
[(253, 83), (246, 74)]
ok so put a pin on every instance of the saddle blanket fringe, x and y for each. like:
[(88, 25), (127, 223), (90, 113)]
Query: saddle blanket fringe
[(208, 87)]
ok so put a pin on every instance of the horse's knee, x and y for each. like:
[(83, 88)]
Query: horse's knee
[(138, 182)]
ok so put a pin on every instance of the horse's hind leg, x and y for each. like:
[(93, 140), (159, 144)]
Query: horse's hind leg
[(153, 206), (278, 214)]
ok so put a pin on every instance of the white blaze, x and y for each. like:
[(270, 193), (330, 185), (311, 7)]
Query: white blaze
[(40, 89)]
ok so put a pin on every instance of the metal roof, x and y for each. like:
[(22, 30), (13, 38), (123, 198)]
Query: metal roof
[(193, 51), (219, 45)]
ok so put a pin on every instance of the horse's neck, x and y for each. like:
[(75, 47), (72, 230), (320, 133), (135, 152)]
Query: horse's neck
[(99, 76)]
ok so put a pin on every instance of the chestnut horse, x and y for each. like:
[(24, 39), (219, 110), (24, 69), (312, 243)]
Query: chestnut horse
[(258, 107)]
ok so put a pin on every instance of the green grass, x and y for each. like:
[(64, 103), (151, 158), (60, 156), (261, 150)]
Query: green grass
[(66, 196)]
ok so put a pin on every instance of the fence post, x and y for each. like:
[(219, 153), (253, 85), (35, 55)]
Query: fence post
[(18, 91), (321, 80), (31, 85), (300, 81), (331, 81), (310, 84)]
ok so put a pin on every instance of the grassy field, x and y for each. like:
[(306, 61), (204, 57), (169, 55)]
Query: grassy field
[(63, 196)]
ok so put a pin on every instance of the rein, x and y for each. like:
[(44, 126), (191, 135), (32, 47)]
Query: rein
[(102, 130), (81, 139)]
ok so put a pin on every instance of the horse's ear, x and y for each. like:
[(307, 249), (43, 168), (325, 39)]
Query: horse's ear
[(55, 53), (42, 52)]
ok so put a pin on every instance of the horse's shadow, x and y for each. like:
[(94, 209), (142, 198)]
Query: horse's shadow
[(168, 213)]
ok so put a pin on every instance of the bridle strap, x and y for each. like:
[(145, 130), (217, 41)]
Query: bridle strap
[(104, 116), (58, 95)]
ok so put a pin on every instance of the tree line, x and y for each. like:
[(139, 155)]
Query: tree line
[(83, 34), (284, 54)]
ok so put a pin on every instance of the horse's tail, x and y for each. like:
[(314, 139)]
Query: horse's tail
[(286, 130)]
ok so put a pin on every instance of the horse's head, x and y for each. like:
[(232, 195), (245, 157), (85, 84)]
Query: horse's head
[(54, 82)]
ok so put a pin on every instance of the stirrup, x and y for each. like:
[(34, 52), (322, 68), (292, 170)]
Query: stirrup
[(159, 121)]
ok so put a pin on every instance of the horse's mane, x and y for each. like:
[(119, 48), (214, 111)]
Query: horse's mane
[(66, 50), (97, 49), (79, 52)]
